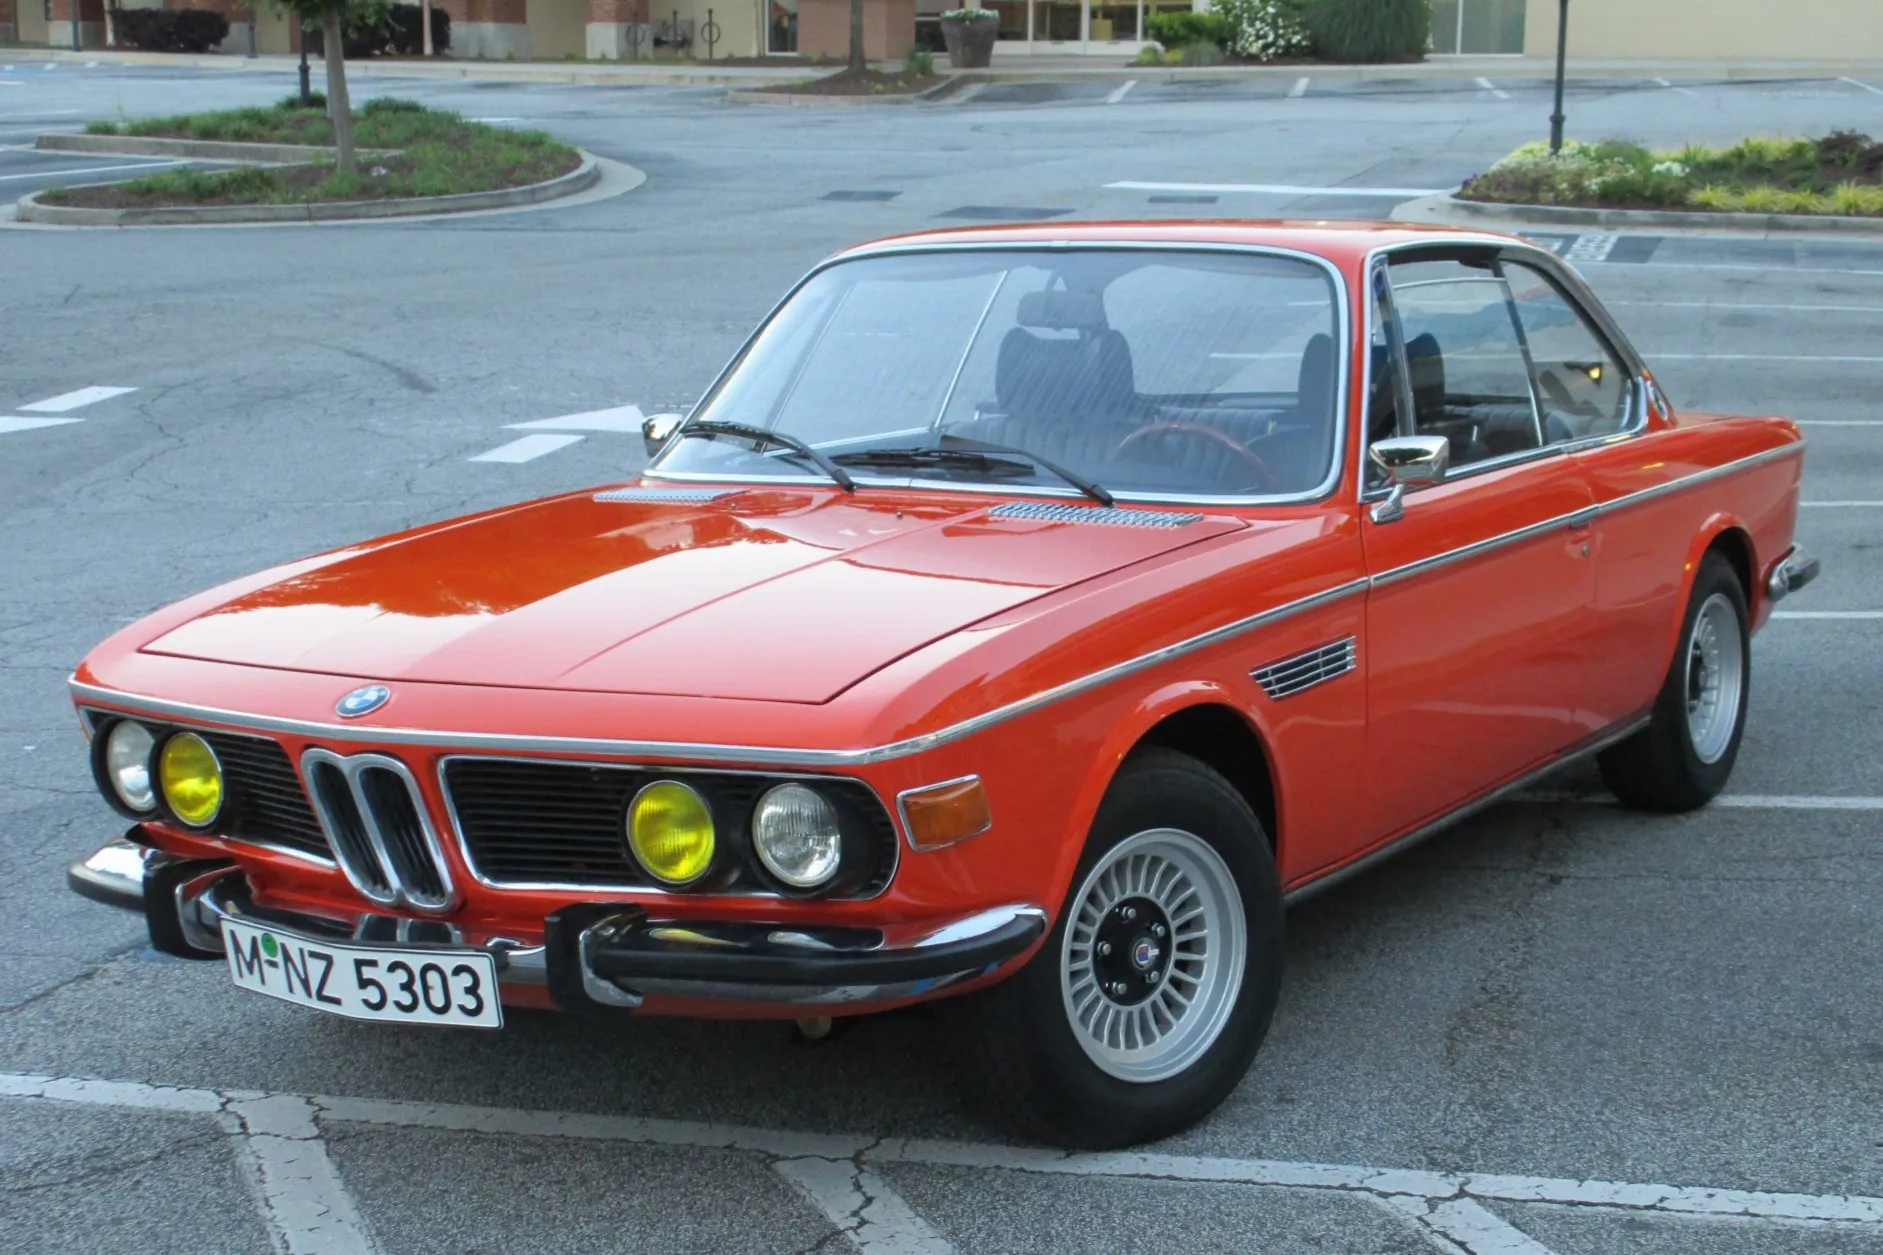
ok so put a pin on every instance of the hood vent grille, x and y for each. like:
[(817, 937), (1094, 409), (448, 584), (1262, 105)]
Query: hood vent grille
[(1304, 671), (1054, 513), (672, 496)]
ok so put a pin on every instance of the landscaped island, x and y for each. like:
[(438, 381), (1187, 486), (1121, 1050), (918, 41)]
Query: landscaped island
[(406, 150), (1840, 174)]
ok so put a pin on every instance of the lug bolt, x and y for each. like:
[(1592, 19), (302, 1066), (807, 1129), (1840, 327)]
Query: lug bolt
[(1150, 978), (1118, 989), (1104, 948), (1158, 930), (1130, 913)]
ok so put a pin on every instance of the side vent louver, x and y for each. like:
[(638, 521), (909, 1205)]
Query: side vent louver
[(1303, 671), (1051, 512)]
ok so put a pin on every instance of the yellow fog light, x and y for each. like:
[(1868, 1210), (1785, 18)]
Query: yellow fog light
[(191, 779), (670, 831)]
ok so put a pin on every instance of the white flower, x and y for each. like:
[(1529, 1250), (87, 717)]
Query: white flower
[(1674, 168)]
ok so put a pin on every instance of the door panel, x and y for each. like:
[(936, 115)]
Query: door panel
[(1475, 661)]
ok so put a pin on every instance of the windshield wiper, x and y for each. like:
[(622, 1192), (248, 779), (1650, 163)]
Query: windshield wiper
[(928, 456), (1078, 481), (710, 427)]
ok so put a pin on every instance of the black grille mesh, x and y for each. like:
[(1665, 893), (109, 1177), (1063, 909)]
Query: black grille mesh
[(267, 803), (402, 831), (560, 823), (349, 827)]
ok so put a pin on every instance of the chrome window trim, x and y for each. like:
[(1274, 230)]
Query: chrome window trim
[(350, 766), (653, 889), (1343, 327), (1553, 269), (757, 755)]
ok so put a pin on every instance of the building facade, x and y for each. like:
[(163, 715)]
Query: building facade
[(616, 30)]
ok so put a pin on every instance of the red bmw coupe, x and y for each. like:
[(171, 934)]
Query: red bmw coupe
[(1025, 617)]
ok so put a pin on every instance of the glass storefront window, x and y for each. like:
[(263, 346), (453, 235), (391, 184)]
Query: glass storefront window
[(1477, 26), (781, 30)]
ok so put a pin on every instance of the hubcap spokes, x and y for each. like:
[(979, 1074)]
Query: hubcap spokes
[(1715, 678), (1153, 955)]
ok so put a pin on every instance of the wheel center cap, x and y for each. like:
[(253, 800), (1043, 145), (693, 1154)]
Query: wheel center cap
[(1145, 954)]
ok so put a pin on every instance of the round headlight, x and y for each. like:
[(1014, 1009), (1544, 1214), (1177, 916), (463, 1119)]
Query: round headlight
[(191, 779), (127, 764), (797, 836), (670, 831)]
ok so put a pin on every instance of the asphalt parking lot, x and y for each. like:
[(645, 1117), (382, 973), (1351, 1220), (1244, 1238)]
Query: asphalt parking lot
[(1560, 1029)]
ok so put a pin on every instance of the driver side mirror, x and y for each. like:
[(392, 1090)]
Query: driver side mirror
[(657, 429), (1407, 462)]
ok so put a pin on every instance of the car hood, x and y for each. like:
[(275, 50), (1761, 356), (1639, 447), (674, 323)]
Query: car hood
[(760, 594)]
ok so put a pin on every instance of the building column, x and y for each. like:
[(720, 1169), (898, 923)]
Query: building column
[(9, 22), (494, 30), (618, 30), (91, 20)]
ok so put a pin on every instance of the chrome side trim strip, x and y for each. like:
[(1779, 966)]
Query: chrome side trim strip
[(749, 755), (1399, 845), (1580, 518)]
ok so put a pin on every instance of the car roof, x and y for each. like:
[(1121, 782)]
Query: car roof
[(1340, 241)]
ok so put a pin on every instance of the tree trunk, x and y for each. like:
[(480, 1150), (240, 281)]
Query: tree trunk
[(857, 64), (338, 109)]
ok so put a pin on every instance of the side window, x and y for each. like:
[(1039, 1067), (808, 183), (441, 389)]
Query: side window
[(1582, 390), (1470, 378)]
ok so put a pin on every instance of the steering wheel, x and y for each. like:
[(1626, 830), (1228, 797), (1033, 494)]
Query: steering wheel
[(1264, 478)]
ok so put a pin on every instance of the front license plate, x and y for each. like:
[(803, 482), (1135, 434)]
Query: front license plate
[(456, 987)]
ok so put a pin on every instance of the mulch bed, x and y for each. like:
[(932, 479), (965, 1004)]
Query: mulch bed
[(868, 83)]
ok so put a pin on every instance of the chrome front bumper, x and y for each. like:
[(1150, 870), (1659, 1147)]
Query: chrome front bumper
[(591, 954), (1796, 569)]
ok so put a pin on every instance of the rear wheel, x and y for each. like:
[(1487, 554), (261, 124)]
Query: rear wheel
[(1155, 988), (1685, 755)]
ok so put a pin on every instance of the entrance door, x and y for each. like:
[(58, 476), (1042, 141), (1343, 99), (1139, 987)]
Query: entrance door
[(1478, 623), (781, 26)]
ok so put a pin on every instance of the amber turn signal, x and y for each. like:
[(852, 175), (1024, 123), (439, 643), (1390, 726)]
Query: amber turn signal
[(943, 814)]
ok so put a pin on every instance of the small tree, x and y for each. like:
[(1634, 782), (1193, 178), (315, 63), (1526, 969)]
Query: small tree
[(334, 17), (857, 64)]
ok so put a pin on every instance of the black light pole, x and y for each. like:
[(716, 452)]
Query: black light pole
[(307, 99), (1562, 41), (77, 46)]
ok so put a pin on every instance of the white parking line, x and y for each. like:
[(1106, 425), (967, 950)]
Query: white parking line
[(835, 1171), (1728, 801), (1827, 614), (49, 174), (1120, 93), (302, 1197), (622, 418), (66, 402), (1494, 89), (527, 449), (1299, 90), (1274, 189), (1854, 83), (9, 424), (1681, 90)]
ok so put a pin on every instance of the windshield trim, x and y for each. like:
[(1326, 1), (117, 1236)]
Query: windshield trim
[(1343, 367)]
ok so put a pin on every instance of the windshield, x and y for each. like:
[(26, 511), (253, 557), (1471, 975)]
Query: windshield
[(1147, 372)]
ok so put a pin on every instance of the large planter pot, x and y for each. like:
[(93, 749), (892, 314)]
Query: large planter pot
[(970, 44)]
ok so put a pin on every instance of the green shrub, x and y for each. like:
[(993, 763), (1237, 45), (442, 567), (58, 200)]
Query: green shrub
[(1267, 29), (101, 128), (919, 62), (1202, 52), (170, 30), (1180, 30), (1633, 187), (1855, 199), (380, 106), (315, 100), (1371, 30)]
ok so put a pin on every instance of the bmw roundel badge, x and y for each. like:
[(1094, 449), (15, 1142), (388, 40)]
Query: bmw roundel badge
[(363, 701)]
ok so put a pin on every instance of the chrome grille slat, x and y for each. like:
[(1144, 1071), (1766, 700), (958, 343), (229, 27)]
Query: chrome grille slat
[(1289, 676), (374, 816)]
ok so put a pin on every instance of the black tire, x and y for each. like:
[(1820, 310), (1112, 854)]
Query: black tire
[(1660, 768), (1039, 1077)]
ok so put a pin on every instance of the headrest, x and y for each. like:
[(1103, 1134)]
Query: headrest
[(1062, 311)]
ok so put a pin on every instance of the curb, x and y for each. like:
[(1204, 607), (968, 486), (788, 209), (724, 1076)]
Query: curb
[(762, 96), (200, 149), (1638, 219), (580, 179)]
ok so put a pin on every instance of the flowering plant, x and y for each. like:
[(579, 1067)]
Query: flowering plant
[(1265, 30), (970, 15)]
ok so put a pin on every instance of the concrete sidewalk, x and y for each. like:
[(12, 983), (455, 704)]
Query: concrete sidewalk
[(1011, 68)]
